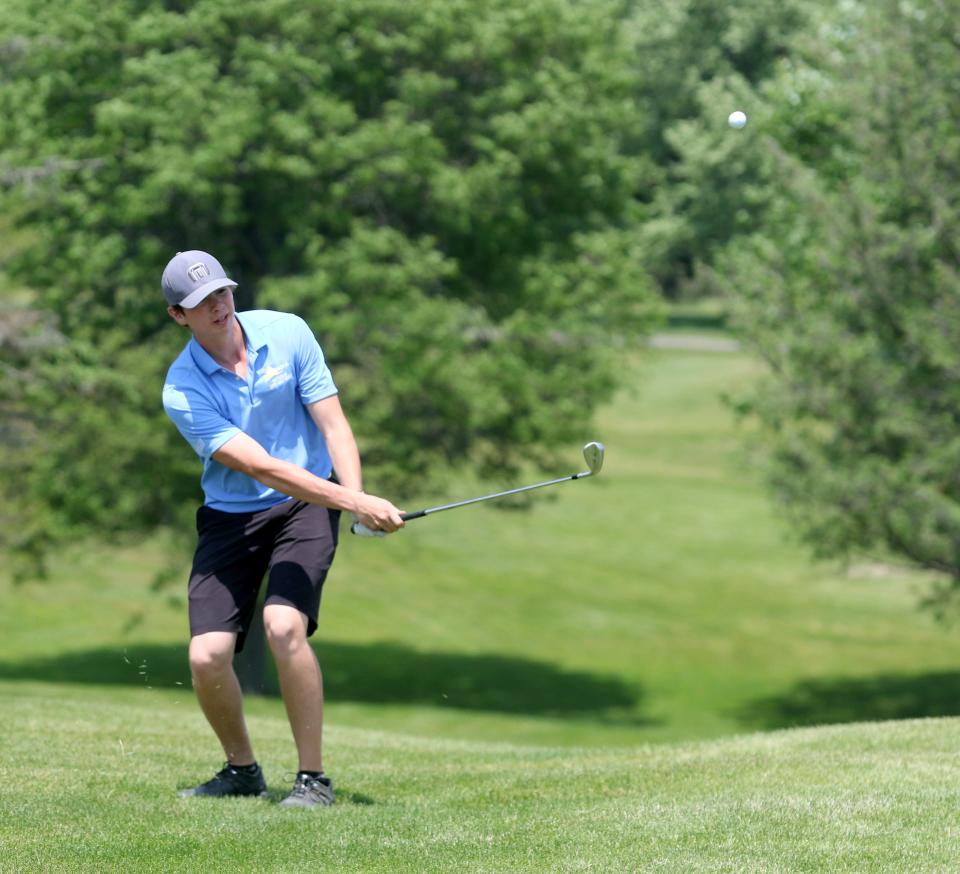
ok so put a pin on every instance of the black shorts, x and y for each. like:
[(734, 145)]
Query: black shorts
[(294, 541)]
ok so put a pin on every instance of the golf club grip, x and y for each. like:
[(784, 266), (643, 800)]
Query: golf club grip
[(361, 530)]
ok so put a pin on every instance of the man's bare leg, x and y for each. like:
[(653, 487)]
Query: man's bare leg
[(218, 691), (301, 682)]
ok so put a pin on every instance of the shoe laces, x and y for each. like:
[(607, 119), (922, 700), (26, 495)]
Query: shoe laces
[(301, 784), (229, 770), (304, 783)]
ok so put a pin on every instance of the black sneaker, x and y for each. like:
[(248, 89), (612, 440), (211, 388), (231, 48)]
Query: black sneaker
[(310, 792), (230, 781)]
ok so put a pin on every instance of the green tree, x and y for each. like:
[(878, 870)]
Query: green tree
[(448, 191), (698, 61), (850, 291)]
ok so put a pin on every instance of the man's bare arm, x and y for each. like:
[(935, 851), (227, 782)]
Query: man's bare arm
[(244, 454), (329, 417)]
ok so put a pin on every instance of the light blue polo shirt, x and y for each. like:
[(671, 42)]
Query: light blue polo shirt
[(210, 405)]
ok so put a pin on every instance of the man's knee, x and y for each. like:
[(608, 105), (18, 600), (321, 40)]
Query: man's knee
[(211, 654), (286, 629)]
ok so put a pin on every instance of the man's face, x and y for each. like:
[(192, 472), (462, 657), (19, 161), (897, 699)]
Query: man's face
[(213, 316)]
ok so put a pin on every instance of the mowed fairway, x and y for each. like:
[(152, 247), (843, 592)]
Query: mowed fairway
[(660, 601), (87, 779)]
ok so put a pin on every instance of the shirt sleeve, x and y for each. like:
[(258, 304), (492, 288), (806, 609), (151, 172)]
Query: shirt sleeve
[(202, 425), (314, 379)]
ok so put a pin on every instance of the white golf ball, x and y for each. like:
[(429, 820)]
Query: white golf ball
[(737, 119)]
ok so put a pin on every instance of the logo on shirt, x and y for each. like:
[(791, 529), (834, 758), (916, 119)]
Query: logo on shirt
[(198, 271), (273, 376)]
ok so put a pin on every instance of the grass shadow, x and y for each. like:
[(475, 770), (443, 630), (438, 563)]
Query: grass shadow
[(856, 699), (150, 665), (376, 673), (391, 673)]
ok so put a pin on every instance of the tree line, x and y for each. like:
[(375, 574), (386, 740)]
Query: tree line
[(480, 208)]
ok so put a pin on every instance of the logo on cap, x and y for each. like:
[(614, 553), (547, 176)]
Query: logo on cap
[(198, 271)]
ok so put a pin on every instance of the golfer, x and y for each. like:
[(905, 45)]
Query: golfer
[(251, 393)]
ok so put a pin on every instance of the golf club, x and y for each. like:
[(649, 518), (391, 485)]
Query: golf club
[(592, 454)]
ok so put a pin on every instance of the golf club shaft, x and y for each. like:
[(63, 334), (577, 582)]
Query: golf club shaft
[(551, 482), (359, 528)]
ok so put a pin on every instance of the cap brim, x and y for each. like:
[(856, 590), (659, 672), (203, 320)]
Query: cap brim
[(197, 295)]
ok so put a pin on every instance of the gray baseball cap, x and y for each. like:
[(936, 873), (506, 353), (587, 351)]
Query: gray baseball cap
[(190, 276)]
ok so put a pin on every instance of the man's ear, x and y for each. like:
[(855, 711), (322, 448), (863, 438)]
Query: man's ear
[(177, 315)]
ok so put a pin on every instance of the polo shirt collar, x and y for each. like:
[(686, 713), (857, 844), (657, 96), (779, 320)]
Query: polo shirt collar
[(254, 336), (256, 339), (202, 358)]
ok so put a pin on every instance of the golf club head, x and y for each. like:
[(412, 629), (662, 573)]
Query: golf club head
[(593, 455)]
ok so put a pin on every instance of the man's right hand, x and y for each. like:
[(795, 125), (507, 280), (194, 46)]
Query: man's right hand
[(378, 514)]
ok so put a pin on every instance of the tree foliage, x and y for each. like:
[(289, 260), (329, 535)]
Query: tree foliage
[(850, 291), (474, 205), (448, 191), (700, 59)]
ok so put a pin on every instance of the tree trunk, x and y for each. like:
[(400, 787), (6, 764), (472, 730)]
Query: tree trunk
[(251, 664)]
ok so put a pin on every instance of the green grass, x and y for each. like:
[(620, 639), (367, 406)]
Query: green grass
[(658, 602), (87, 780), (596, 685)]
